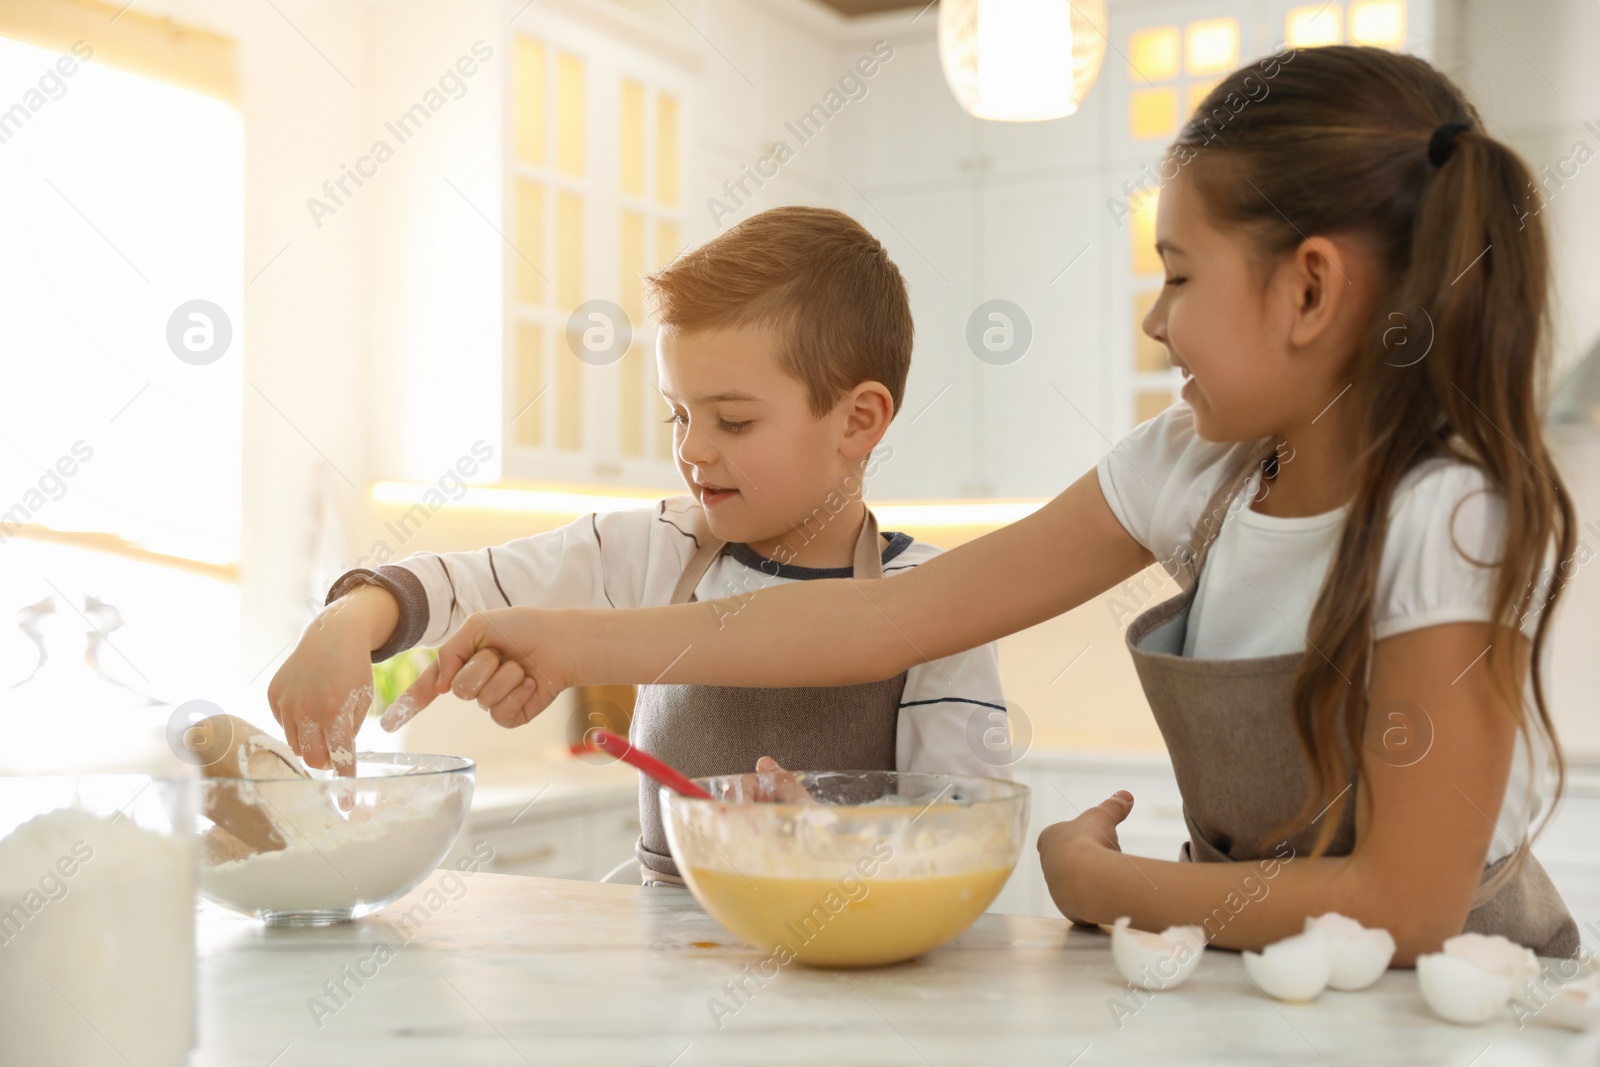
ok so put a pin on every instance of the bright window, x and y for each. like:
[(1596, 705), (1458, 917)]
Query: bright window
[(1153, 54), (1212, 46), (1153, 113), (1314, 25), (1381, 23), (121, 201)]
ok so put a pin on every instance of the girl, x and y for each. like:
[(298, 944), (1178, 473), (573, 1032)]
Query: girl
[(1354, 496)]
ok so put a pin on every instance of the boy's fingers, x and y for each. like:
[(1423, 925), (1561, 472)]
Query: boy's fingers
[(291, 729), (477, 671), (313, 746), (788, 788), (341, 746), (342, 755)]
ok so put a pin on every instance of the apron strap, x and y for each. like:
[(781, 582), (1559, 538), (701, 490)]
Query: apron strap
[(1217, 508), (868, 561), (710, 548)]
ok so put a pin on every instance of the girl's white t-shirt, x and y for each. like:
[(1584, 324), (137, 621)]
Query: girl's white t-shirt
[(1262, 573)]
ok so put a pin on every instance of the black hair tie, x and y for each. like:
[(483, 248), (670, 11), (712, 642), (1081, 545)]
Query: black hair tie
[(1443, 141)]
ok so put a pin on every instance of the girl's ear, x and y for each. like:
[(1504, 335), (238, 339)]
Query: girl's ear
[(867, 408), (1322, 293)]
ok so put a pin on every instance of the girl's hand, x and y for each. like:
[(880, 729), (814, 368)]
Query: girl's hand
[(509, 661), (1067, 851)]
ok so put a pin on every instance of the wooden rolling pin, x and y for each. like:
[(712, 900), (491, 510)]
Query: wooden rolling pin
[(226, 746)]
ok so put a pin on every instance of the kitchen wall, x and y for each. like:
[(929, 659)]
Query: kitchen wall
[(1530, 70), (373, 332)]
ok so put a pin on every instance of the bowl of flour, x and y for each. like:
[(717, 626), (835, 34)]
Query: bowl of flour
[(334, 848)]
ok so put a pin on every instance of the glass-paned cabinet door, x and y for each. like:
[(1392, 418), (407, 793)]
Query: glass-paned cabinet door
[(594, 179)]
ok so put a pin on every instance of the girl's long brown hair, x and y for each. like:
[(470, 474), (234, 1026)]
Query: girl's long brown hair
[(1337, 141)]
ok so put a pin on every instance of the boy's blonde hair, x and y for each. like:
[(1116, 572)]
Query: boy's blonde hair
[(819, 278)]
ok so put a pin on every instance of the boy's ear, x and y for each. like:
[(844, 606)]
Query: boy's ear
[(868, 410)]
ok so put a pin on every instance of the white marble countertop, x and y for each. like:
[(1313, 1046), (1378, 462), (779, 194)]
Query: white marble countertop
[(518, 971)]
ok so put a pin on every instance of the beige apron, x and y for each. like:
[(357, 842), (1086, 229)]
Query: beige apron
[(721, 729), (1238, 762)]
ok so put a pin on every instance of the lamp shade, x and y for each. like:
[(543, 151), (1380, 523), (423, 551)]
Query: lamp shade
[(1021, 60)]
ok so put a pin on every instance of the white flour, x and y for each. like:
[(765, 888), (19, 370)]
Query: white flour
[(108, 947), (332, 862)]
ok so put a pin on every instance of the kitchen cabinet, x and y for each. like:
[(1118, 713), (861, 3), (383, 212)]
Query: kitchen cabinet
[(581, 835), (932, 437), (975, 212), (1064, 786)]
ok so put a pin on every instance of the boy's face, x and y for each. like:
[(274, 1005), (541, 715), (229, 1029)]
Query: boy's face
[(744, 438)]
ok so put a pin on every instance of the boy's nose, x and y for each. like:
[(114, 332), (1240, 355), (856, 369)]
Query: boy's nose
[(695, 450)]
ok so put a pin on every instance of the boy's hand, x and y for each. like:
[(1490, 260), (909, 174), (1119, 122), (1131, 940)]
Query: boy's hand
[(321, 694), (785, 789), (497, 658)]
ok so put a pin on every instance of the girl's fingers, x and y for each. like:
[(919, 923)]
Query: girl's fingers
[(456, 652), (517, 707), (501, 684), (1105, 815), (418, 695), (475, 673)]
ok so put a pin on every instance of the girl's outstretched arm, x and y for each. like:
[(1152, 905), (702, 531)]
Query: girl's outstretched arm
[(1423, 825), (833, 632)]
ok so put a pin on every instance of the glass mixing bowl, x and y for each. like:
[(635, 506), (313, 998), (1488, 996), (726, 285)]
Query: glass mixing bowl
[(344, 847), (847, 868)]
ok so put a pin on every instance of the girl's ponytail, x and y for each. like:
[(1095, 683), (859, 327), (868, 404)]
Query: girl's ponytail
[(1480, 263)]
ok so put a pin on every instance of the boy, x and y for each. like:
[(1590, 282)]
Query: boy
[(783, 353)]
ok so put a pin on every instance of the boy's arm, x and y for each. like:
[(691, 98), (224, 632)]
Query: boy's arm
[(829, 632), (327, 680), (594, 561)]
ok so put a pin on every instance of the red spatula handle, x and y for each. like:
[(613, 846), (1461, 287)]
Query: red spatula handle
[(620, 747)]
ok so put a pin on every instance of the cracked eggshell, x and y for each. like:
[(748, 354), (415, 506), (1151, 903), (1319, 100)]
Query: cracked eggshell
[(1577, 1004), (1296, 968), (1156, 961), (1360, 954), (1473, 978)]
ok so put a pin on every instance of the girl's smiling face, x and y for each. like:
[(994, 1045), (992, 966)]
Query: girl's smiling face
[(1264, 347)]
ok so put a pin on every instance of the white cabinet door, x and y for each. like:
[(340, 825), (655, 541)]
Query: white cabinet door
[(1039, 246), (929, 236)]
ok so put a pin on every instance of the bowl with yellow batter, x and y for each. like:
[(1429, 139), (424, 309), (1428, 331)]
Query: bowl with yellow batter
[(847, 868)]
